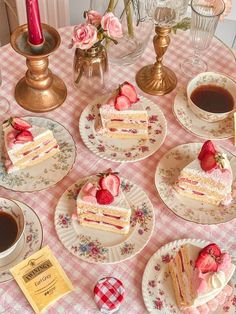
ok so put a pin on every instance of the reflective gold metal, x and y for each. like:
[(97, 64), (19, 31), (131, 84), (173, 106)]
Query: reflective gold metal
[(39, 90), (157, 79)]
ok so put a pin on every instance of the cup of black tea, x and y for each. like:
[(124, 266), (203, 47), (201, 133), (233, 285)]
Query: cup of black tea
[(212, 96), (12, 226)]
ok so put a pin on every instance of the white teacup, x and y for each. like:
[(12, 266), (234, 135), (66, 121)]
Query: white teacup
[(216, 79), (10, 210)]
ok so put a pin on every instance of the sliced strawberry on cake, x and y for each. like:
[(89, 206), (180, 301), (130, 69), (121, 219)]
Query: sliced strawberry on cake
[(123, 115), (208, 178), (102, 205), (26, 145), (200, 278)]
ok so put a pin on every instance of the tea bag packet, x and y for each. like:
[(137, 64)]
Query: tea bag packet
[(42, 279)]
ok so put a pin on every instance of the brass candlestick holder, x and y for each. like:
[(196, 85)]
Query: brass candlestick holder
[(157, 79), (39, 90)]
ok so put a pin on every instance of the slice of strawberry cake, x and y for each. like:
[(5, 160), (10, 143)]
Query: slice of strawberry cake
[(102, 205), (124, 116), (208, 178), (26, 145), (200, 278)]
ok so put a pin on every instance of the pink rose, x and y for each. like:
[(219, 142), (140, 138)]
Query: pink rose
[(93, 17), (111, 25), (84, 36)]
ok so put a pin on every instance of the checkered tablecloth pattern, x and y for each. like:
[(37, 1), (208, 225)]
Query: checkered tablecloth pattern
[(168, 226)]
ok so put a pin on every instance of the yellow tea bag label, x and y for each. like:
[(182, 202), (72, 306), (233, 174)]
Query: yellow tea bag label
[(41, 279)]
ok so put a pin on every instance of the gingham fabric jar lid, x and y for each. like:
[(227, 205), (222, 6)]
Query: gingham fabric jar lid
[(109, 294)]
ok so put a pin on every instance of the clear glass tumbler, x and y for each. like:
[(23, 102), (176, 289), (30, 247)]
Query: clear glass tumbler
[(205, 17)]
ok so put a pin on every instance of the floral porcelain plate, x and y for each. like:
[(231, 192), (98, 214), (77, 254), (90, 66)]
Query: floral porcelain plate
[(30, 243), (190, 122), (126, 150), (48, 172), (158, 293), (98, 246), (167, 172)]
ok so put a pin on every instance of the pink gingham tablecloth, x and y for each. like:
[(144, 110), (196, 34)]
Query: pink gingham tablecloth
[(168, 226)]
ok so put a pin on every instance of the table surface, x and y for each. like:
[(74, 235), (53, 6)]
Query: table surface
[(168, 227)]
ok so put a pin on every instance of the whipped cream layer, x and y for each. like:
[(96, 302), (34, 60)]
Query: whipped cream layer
[(112, 217), (216, 184), (23, 155), (129, 123), (215, 282)]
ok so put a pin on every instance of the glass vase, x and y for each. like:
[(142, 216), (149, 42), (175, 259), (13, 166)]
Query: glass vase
[(136, 26), (91, 69)]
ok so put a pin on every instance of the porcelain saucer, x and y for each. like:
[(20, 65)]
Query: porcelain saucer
[(102, 247), (47, 173), (190, 122), (157, 287), (129, 150), (167, 173), (30, 243)]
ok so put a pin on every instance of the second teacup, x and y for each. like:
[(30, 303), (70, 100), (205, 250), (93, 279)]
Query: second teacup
[(12, 226), (212, 96)]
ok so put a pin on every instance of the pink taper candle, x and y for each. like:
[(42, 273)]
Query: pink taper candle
[(34, 23)]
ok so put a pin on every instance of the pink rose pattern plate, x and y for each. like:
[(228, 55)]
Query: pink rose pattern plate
[(167, 172), (158, 293), (98, 246), (119, 150)]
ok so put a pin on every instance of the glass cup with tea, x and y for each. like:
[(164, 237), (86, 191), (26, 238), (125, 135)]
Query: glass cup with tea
[(12, 226), (212, 96)]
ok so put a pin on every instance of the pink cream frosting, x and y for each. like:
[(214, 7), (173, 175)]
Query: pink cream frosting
[(202, 281)]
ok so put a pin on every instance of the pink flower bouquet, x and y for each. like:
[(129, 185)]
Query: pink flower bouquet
[(96, 29)]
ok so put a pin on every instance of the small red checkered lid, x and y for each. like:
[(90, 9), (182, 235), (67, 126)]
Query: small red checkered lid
[(109, 294)]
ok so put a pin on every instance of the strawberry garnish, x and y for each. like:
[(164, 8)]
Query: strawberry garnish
[(208, 162), (19, 124), (212, 249), (209, 259), (128, 90), (24, 137), (122, 102), (206, 263), (110, 182), (207, 147), (104, 197)]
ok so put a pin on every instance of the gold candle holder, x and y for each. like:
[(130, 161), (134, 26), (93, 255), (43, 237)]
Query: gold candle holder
[(39, 90), (157, 79)]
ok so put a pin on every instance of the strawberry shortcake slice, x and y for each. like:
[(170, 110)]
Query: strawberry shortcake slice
[(200, 278), (26, 145), (102, 205), (123, 116), (208, 178)]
